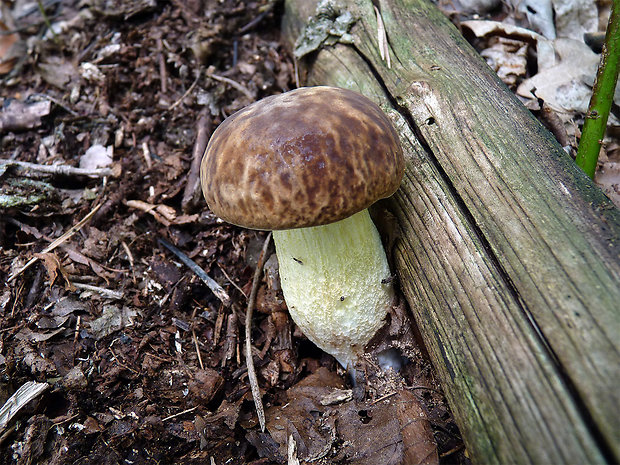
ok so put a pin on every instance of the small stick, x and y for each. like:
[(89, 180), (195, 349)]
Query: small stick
[(382, 398), (130, 258), (162, 66), (218, 327), (59, 103), (146, 153), (202, 367), (296, 66), (59, 170), (78, 325), (258, 18), (218, 290), (232, 83), (105, 292), (235, 285), (179, 414), (117, 359), (191, 194), (248, 337), (187, 92), (62, 239), (451, 451), (151, 210)]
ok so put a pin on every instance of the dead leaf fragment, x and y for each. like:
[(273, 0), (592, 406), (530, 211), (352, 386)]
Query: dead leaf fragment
[(97, 156), (559, 82), (305, 418), (508, 58), (10, 48), (58, 72), (17, 116), (415, 429), (53, 267), (112, 319), (608, 178), (205, 385)]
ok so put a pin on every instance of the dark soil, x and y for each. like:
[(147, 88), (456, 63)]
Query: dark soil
[(144, 364)]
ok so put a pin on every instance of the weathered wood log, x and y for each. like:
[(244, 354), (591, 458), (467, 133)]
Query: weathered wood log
[(508, 254)]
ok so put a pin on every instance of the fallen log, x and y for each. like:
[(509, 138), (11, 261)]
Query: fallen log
[(508, 254)]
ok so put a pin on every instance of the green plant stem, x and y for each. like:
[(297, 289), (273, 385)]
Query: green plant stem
[(602, 97)]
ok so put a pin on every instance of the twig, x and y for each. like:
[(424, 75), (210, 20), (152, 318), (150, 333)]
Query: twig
[(382, 398), (162, 66), (232, 83), (258, 18), (296, 65), (196, 340), (130, 258), (187, 92), (235, 285), (191, 194), (248, 337), (602, 96), (451, 451), (158, 213), (231, 343), (218, 290), (202, 367), (62, 239), (57, 102), (60, 170), (219, 322), (47, 22), (146, 153), (413, 388), (179, 414), (76, 333), (127, 367), (105, 292)]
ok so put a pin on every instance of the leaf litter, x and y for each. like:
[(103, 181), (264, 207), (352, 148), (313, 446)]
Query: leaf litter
[(143, 361), (98, 123)]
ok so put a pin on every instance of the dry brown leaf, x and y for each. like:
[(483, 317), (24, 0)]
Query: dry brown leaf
[(304, 417), (508, 58), (53, 268), (8, 46), (608, 179), (393, 431), (23, 115), (58, 72), (418, 440)]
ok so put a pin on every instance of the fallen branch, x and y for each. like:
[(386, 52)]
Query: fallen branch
[(218, 290)]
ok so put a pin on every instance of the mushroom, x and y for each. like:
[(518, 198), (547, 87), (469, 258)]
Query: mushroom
[(307, 164)]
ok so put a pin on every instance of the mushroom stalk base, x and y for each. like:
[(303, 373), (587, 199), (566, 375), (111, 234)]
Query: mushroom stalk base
[(335, 282)]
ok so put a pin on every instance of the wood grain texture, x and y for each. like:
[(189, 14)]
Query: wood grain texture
[(509, 255)]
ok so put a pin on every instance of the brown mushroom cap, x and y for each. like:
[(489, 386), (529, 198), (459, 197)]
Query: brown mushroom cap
[(308, 157)]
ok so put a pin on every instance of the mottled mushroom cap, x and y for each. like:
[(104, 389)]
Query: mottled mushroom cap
[(308, 157)]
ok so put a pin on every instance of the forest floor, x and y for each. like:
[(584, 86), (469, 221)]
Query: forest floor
[(138, 360), (135, 359)]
